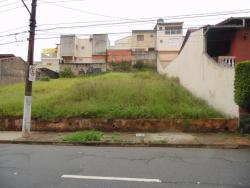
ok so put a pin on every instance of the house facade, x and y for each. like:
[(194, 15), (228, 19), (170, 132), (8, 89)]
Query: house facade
[(100, 44), (143, 45), (75, 50), (228, 42), (169, 38)]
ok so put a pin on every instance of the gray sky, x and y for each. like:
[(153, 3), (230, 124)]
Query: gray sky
[(96, 12)]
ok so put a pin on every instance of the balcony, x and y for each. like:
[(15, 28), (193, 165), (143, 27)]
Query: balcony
[(227, 60)]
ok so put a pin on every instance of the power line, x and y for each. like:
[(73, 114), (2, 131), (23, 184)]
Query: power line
[(83, 11), (130, 22), (152, 18), (10, 9), (65, 1)]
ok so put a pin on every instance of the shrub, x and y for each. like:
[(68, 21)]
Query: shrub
[(121, 67), (139, 65), (66, 73), (242, 85), (45, 78)]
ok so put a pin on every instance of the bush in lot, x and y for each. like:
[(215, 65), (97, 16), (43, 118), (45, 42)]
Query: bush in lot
[(242, 85), (139, 65), (45, 78), (66, 73), (121, 67)]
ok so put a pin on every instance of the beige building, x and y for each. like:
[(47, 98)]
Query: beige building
[(143, 47), (169, 38), (143, 40)]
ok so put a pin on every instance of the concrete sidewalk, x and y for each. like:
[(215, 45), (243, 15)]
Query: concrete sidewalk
[(170, 139)]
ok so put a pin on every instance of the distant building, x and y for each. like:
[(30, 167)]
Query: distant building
[(169, 38), (49, 59), (122, 44), (143, 40), (143, 47), (121, 51), (83, 55), (100, 44), (75, 50)]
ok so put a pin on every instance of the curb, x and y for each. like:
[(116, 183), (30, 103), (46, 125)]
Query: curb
[(108, 144)]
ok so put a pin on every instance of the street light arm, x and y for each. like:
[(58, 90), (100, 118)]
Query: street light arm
[(26, 6)]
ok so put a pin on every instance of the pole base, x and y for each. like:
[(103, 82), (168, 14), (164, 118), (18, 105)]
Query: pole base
[(25, 134)]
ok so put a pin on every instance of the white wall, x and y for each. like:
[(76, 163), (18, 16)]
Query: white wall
[(168, 42), (203, 76)]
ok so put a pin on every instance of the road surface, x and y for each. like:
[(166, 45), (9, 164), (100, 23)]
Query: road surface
[(33, 166)]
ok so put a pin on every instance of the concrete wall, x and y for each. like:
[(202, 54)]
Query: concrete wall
[(12, 70), (203, 76), (83, 48), (84, 68), (148, 58)]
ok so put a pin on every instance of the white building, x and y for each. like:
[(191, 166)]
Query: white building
[(169, 38)]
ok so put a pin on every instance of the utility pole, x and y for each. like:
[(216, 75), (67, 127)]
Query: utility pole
[(29, 68)]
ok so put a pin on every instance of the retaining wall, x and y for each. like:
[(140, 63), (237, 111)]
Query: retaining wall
[(124, 125)]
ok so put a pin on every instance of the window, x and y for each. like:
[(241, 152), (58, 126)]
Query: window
[(139, 50), (173, 32), (151, 36), (140, 37), (168, 32), (161, 41), (160, 28), (178, 31), (151, 49), (82, 47)]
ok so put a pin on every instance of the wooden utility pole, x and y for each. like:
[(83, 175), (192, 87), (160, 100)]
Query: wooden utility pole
[(29, 69)]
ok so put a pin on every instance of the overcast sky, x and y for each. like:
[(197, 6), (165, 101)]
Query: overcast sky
[(66, 13)]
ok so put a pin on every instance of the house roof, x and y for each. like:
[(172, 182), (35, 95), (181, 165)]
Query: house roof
[(233, 22), (169, 24), (6, 56), (143, 31)]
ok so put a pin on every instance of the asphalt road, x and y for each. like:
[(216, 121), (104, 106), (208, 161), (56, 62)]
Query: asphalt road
[(33, 166)]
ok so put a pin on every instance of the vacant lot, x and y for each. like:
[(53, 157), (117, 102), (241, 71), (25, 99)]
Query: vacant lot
[(111, 95)]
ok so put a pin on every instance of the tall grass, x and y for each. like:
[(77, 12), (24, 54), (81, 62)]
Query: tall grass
[(111, 95)]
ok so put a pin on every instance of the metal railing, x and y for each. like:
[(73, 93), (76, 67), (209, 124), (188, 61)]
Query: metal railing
[(227, 60)]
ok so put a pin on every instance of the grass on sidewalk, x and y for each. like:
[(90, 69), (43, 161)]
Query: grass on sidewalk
[(110, 95), (83, 136)]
